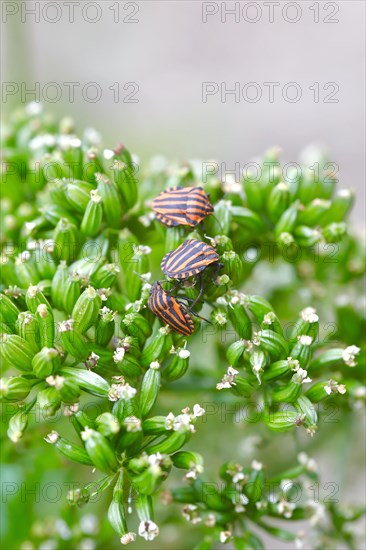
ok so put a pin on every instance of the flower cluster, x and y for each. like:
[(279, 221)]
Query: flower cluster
[(79, 242)]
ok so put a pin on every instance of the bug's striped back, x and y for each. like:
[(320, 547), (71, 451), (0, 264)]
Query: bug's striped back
[(190, 258), (170, 311), (182, 206)]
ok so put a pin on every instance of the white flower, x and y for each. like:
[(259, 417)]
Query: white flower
[(89, 524), (198, 410), (308, 462), (132, 424), (194, 471), (349, 355), (128, 538), (148, 530), (300, 376), (122, 390), (155, 365), (334, 387), (52, 437), (305, 340), (309, 315), (318, 509), (225, 536), (228, 379), (119, 355), (184, 353), (169, 421), (183, 422), (285, 508), (256, 465)]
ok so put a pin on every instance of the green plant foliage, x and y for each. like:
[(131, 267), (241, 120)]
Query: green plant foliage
[(80, 250)]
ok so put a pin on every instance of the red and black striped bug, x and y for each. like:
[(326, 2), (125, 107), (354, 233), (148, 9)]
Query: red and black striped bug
[(182, 206), (189, 259), (170, 310)]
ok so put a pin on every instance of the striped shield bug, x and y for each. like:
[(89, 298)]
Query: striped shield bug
[(170, 310), (190, 258), (182, 206)]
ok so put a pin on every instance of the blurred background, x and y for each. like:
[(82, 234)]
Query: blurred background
[(156, 75)]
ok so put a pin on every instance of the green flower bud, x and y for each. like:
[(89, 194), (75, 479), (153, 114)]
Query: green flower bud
[(277, 369), (171, 444), (233, 266), (57, 190), (211, 497), (302, 349), (308, 412), (127, 364), (307, 236), (158, 346), (340, 207), (253, 193), (15, 388), (334, 232), (239, 318), (105, 276), (67, 448), (138, 263), (247, 219), (17, 426), (322, 390), (78, 194), (72, 341), (222, 243), (273, 343), (307, 190), (46, 362), (308, 324), (67, 241), (258, 306), (49, 401), (150, 388), (58, 288), (46, 325), (25, 270), (8, 311), (87, 380), (278, 201), (235, 352), (335, 358), (178, 366), (53, 212), (107, 424), (174, 236), (112, 203), (271, 320), (242, 387), (258, 360), (28, 328), (116, 512), (16, 351), (100, 451), (287, 221), (126, 180), (68, 390), (220, 317), (222, 217), (188, 460), (71, 291), (255, 484), (92, 219), (104, 329), (135, 325), (155, 425), (34, 297), (86, 310), (287, 394), (313, 213), (281, 421)]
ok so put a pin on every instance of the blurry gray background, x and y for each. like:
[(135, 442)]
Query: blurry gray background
[(168, 51)]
